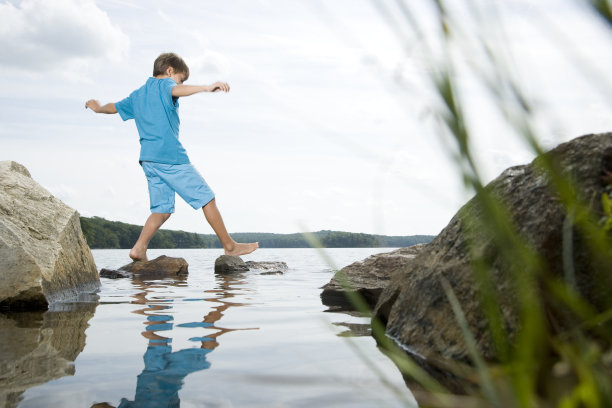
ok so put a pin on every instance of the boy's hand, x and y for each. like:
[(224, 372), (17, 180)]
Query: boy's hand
[(219, 86), (93, 105)]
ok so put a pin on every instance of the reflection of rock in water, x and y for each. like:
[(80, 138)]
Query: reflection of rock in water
[(38, 347)]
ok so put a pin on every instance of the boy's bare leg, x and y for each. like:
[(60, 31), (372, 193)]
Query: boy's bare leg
[(231, 247), (139, 251)]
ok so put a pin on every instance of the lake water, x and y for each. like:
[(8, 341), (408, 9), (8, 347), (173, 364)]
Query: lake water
[(245, 340)]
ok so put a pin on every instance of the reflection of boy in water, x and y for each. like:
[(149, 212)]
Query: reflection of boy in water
[(162, 378)]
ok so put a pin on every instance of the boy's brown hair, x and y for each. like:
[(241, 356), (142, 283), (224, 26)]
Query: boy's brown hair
[(170, 59)]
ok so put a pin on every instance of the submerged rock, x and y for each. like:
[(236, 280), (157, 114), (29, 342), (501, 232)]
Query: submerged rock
[(368, 278), (414, 306), (160, 267), (233, 264), (267, 268), (115, 274), (43, 254), (354, 329)]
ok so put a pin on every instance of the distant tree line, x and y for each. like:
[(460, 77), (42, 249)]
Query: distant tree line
[(101, 233)]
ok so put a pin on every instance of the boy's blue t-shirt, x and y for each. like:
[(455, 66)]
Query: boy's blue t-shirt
[(155, 112)]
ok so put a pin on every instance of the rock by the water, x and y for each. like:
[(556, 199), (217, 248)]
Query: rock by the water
[(234, 264), (354, 329), (368, 278), (267, 268), (414, 306), (115, 273), (160, 267), (165, 266), (230, 264), (43, 254)]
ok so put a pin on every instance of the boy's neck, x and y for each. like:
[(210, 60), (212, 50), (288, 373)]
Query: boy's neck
[(178, 78)]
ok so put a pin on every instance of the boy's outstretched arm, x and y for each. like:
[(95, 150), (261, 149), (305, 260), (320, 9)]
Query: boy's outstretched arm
[(95, 106), (186, 90)]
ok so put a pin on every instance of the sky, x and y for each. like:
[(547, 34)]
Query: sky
[(332, 121)]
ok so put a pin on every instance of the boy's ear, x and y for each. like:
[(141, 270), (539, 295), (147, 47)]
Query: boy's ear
[(170, 71)]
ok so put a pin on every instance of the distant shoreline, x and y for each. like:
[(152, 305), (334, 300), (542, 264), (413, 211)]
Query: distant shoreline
[(104, 234)]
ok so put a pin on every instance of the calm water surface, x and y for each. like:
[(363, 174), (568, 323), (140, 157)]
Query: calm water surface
[(246, 340)]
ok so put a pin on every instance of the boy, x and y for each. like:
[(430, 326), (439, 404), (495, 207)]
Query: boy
[(154, 107)]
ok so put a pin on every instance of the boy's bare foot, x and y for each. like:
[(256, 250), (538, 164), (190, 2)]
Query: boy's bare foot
[(138, 254), (241, 249)]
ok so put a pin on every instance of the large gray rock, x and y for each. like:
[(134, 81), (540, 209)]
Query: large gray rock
[(368, 278), (414, 306), (43, 255), (159, 268)]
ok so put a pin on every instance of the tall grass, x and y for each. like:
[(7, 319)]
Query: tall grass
[(567, 363)]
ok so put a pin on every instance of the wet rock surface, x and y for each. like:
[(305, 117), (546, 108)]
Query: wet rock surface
[(368, 278), (44, 257), (158, 268)]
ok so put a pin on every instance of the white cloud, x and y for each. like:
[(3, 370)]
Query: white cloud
[(330, 121), (208, 63), (40, 35)]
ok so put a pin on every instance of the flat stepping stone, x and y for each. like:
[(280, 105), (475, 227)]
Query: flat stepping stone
[(160, 267)]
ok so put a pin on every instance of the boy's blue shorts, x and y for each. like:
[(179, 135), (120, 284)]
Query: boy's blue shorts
[(166, 179)]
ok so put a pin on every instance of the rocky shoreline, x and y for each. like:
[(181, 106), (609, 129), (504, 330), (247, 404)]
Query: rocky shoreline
[(45, 259), (406, 292)]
